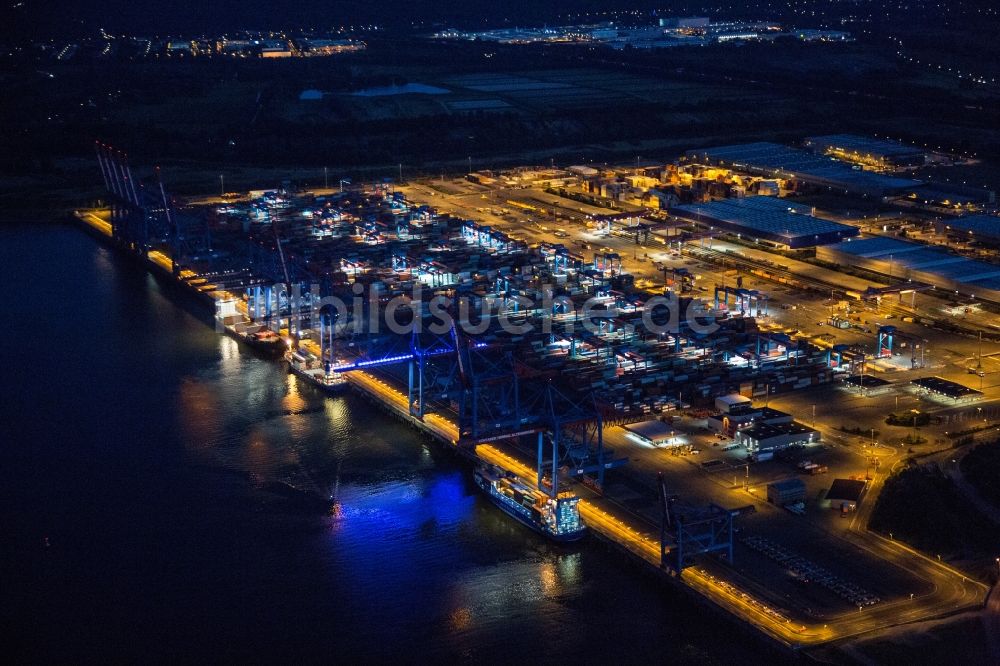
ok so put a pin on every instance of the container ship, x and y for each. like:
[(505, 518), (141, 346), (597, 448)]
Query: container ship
[(264, 340), (256, 335), (556, 518), (309, 368)]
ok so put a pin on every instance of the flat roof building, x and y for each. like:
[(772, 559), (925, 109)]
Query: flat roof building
[(845, 493), (774, 160), (685, 22), (322, 47), (762, 437), (743, 416), (927, 264), (768, 219), (947, 388), (880, 153), (725, 403), (653, 432), (870, 384), (976, 227), (951, 196)]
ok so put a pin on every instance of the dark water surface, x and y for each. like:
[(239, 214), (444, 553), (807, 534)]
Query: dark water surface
[(138, 520)]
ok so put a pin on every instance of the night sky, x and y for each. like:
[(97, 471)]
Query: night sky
[(147, 17)]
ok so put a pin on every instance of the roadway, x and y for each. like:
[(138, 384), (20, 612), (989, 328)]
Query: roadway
[(945, 354), (98, 220)]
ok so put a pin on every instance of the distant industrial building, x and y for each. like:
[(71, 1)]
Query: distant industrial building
[(951, 196), (326, 47), (669, 33), (235, 47), (985, 228), (275, 48), (736, 31), (871, 152), (816, 35), (768, 219), (686, 22), (773, 160), (180, 48), (771, 437), (928, 264)]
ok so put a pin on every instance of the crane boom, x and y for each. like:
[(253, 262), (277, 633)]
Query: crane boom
[(288, 281)]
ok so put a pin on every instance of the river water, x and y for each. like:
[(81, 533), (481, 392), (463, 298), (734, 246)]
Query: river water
[(140, 519)]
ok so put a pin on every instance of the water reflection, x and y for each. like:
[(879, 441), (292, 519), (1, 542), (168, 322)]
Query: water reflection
[(413, 563), (549, 578), (200, 406), (460, 619), (293, 402), (337, 414), (229, 351)]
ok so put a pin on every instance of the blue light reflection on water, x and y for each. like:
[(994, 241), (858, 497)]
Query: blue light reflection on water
[(143, 452)]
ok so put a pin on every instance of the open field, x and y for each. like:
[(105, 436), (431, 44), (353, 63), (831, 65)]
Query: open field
[(518, 106)]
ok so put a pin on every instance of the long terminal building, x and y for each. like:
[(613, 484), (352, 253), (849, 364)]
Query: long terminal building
[(772, 220)]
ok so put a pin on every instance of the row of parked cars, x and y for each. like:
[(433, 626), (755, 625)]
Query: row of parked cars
[(810, 572), (732, 589)]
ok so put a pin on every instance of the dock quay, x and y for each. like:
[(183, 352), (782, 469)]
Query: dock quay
[(533, 357)]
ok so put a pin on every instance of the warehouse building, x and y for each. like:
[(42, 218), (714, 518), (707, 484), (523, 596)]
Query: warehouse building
[(770, 437), (867, 151), (869, 385), (928, 264), (654, 433), (732, 402), (767, 219), (984, 228), (845, 494), (685, 22), (947, 389), (772, 160), (950, 196), (728, 422)]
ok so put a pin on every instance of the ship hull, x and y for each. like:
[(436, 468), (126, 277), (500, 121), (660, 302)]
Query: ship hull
[(269, 348), (487, 488), (332, 389)]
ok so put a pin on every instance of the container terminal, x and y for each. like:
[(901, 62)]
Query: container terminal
[(552, 357)]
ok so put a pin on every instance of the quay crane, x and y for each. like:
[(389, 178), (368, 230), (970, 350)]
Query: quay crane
[(292, 330)]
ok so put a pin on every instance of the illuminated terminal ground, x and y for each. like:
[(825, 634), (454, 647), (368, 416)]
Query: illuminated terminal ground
[(979, 227), (669, 33), (597, 411), (777, 161), (769, 219), (867, 150), (947, 388), (920, 263)]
